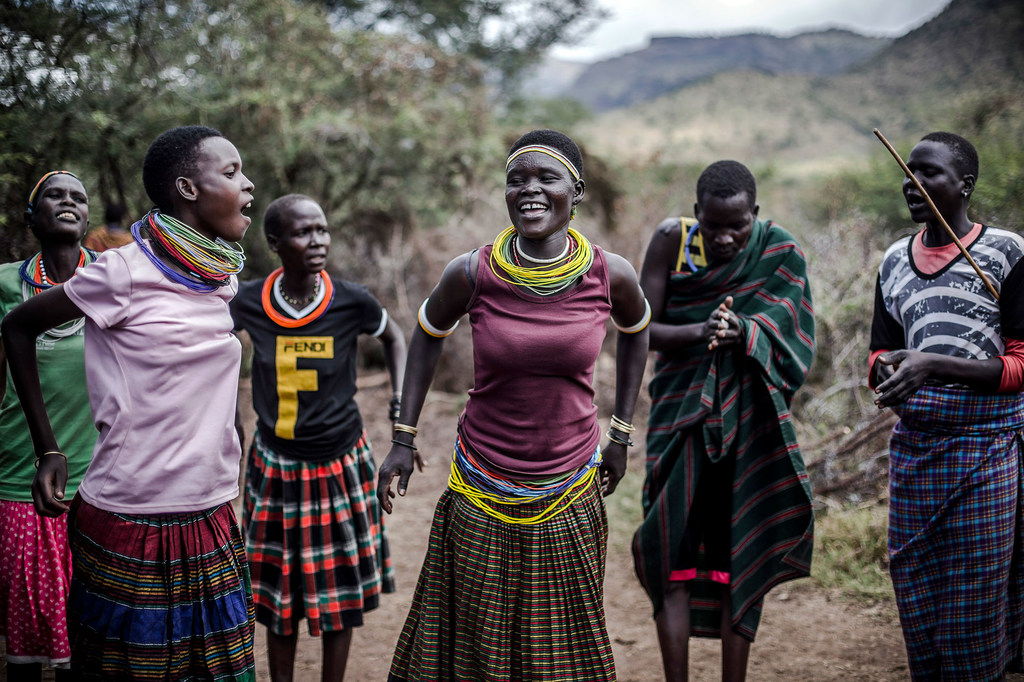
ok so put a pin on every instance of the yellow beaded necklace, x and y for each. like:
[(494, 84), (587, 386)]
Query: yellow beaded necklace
[(546, 281)]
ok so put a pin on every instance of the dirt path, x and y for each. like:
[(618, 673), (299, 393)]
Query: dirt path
[(805, 635)]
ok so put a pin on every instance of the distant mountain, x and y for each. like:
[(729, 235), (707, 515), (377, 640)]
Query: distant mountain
[(551, 78), (971, 43), (670, 63), (965, 63)]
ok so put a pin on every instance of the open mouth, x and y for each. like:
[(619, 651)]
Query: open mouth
[(67, 216), (532, 208)]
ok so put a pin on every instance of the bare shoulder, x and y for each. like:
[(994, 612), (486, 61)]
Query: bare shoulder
[(619, 269), (669, 228), (448, 301)]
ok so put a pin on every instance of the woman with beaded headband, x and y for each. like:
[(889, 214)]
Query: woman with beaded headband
[(35, 562), (160, 586), (312, 525), (512, 584)]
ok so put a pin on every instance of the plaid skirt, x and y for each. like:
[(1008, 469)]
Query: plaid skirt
[(501, 602), (955, 532), (159, 596), (35, 576), (315, 539)]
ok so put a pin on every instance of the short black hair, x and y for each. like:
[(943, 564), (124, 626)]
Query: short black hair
[(965, 156), (553, 139), (273, 217), (172, 155), (724, 179)]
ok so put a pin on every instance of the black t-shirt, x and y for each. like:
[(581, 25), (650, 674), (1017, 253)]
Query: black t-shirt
[(304, 378)]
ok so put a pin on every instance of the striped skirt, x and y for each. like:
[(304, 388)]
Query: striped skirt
[(315, 539), (35, 576), (955, 532), (159, 596), (501, 602)]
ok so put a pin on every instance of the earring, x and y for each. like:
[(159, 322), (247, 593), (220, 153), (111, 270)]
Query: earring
[(572, 213), (964, 194)]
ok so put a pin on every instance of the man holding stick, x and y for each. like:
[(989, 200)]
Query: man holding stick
[(947, 354)]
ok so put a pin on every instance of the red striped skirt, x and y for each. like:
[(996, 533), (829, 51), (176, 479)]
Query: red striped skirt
[(502, 602), (315, 539), (159, 596)]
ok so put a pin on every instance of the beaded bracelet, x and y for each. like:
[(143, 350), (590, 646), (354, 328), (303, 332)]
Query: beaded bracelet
[(628, 442)]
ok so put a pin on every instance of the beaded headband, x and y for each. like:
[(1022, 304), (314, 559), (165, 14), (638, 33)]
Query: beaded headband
[(544, 149), (35, 190)]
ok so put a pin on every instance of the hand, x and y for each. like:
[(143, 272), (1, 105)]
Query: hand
[(48, 486), (613, 467), (907, 370), (399, 462), (723, 326)]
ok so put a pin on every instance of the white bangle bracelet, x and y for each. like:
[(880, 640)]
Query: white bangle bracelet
[(639, 326), (429, 328)]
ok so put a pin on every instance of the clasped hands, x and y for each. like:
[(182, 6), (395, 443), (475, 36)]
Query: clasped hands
[(723, 326)]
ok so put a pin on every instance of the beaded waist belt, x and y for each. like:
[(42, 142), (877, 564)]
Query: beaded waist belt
[(490, 492)]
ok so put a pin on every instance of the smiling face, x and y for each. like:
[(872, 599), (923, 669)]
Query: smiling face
[(220, 192), (304, 241), (934, 165), (540, 193), (61, 212), (725, 224)]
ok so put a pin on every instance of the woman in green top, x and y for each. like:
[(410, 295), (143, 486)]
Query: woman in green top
[(35, 562)]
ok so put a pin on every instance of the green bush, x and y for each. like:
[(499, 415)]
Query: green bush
[(850, 552)]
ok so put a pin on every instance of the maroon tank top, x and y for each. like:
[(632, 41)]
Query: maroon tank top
[(531, 410)]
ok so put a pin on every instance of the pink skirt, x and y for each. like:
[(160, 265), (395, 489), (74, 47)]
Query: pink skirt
[(35, 578)]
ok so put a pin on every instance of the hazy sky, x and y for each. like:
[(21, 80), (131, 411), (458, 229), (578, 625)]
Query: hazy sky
[(632, 22)]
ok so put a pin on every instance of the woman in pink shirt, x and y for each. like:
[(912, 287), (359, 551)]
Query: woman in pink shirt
[(160, 586)]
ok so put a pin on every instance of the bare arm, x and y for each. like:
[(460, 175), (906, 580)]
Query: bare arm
[(393, 340), (628, 307), (447, 303), (19, 329), (658, 263)]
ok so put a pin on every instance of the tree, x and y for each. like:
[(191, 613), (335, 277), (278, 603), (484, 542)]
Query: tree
[(370, 124), (507, 35)]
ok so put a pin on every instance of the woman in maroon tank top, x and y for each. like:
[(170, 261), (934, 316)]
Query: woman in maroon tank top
[(512, 584)]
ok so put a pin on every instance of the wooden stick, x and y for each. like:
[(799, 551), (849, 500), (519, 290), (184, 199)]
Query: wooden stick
[(935, 210)]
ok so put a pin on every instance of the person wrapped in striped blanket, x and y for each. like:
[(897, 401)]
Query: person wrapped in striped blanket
[(727, 503)]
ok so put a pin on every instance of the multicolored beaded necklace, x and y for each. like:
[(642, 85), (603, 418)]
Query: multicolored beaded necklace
[(208, 264), (290, 322), (34, 280), (491, 493), (543, 282), (33, 270)]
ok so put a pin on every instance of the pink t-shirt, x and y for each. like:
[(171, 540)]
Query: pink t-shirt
[(162, 372)]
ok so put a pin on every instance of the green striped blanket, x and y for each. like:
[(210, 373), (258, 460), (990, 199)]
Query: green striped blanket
[(706, 404)]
